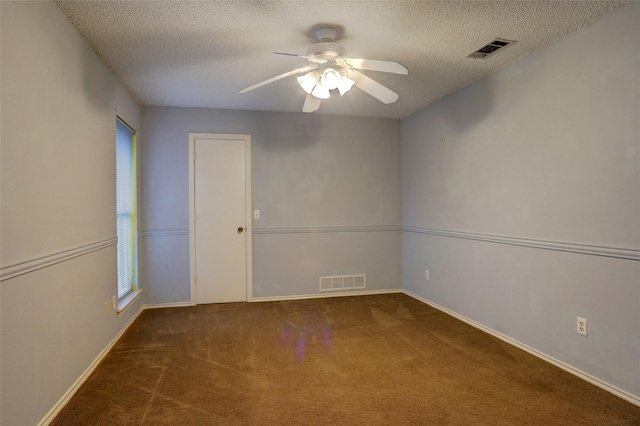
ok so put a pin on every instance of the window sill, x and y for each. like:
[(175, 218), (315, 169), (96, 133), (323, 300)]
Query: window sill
[(125, 302)]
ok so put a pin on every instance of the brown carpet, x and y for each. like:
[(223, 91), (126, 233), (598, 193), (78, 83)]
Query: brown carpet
[(367, 360)]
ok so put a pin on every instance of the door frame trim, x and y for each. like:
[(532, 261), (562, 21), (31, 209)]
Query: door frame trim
[(247, 206)]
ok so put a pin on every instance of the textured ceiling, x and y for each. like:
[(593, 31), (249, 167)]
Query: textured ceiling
[(200, 54)]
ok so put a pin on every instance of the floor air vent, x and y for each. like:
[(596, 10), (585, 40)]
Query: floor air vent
[(492, 48), (343, 282)]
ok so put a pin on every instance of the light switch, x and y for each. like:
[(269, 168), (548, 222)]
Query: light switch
[(256, 214)]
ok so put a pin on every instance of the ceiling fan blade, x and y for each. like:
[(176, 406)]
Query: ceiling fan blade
[(286, 54), (311, 58), (372, 87), (377, 65), (361, 64), (278, 77), (311, 103)]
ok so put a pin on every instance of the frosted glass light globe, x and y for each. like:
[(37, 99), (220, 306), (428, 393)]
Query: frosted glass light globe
[(330, 79)]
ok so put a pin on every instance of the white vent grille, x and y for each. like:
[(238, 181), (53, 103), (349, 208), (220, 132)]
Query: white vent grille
[(343, 282), (492, 48)]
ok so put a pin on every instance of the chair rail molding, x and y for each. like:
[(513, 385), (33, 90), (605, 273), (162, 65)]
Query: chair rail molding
[(163, 233), (594, 250), (43, 261), (325, 229)]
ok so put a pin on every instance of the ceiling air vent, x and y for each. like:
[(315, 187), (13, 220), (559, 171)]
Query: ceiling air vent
[(491, 48)]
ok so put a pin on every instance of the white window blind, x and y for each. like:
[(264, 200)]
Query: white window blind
[(125, 206)]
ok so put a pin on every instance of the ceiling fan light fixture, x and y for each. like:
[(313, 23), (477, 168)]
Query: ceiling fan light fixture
[(345, 85), (330, 78), (320, 92), (309, 81)]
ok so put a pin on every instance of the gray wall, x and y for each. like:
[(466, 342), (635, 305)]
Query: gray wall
[(495, 179), (328, 189), (59, 104), (542, 156)]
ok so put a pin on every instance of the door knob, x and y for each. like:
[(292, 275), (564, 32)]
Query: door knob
[(240, 229)]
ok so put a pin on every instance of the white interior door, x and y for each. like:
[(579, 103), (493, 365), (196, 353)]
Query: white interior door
[(219, 202)]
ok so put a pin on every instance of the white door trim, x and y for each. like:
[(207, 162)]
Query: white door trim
[(248, 215)]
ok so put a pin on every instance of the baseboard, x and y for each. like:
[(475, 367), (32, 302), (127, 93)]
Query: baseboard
[(48, 418), (168, 305), (633, 399), (324, 295)]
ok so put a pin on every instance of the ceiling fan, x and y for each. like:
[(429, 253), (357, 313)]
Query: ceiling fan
[(329, 69)]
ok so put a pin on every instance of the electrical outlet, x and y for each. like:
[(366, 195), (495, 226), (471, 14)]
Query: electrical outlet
[(582, 326), (106, 309), (426, 274)]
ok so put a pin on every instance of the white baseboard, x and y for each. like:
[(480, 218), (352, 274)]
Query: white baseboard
[(324, 295), (48, 418), (167, 305), (635, 400)]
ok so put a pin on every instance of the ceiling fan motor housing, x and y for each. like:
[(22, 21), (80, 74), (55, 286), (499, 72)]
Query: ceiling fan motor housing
[(326, 50)]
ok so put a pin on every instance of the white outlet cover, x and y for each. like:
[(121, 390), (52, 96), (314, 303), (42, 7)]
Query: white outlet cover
[(581, 326)]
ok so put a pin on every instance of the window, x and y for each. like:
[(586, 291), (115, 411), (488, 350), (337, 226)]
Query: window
[(126, 207)]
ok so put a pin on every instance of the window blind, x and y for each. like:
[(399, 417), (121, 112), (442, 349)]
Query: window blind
[(125, 206)]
